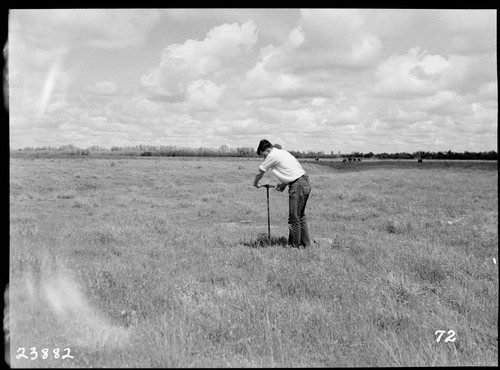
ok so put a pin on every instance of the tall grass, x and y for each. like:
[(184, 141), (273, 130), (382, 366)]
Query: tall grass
[(166, 263)]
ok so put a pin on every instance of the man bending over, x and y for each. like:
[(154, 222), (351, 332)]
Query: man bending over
[(289, 172)]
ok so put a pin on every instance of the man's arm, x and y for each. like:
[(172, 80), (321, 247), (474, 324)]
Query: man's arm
[(258, 177)]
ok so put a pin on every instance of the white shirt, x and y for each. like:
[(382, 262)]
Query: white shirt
[(284, 165)]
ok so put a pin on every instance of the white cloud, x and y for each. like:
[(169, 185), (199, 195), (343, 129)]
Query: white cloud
[(404, 113), (203, 94), (337, 38), (32, 91), (312, 59), (183, 63), (443, 103), (327, 39), (444, 31), (260, 82), (473, 31), (296, 37), (433, 65), (350, 116), (236, 127), (103, 88), (318, 101), (413, 74), (230, 40), (107, 28), (41, 40), (273, 24), (489, 90), (484, 115), (471, 71)]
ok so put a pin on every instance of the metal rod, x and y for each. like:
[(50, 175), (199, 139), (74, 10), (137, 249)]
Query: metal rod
[(267, 186), (268, 222)]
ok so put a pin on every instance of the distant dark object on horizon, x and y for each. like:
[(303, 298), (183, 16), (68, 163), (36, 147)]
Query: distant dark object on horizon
[(420, 160)]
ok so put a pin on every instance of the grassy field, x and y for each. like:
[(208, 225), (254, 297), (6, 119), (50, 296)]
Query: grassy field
[(154, 262)]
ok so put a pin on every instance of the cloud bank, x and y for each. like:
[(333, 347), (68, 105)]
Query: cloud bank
[(314, 79)]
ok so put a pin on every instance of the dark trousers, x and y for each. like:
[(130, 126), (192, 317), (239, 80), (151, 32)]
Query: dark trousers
[(298, 193)]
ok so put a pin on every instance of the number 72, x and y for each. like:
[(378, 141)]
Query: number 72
[(450, 338)]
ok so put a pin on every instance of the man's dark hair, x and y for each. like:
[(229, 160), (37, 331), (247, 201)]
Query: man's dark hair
[(263, 145)]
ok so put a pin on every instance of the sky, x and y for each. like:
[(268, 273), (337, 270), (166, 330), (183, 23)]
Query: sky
[(332, 80)]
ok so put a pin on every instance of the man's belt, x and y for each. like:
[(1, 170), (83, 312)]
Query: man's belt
[(297, 179)]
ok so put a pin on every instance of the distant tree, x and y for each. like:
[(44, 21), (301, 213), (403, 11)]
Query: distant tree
[(244, 152), (492, 155), (297, 154), (403, 155)]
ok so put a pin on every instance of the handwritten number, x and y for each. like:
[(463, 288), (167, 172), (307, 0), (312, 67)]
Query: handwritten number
[(451, 337), (33, 352), (44, 355), (21, 354), (440, 335), (67, 355)]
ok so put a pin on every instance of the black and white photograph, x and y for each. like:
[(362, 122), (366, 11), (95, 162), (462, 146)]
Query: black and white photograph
[(252, 187)]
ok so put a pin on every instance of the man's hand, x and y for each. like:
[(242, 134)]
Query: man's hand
[(280, 187), (258, 177)]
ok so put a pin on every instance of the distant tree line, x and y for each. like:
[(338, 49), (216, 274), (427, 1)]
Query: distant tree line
[(490, 155), (145, 151), (225, 151)]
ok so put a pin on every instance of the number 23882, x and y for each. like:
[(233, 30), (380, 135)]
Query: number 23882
[(45, 353)]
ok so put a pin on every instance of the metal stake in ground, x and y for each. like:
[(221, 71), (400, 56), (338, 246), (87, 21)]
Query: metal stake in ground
[(267, 186)]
